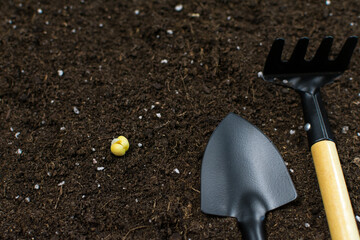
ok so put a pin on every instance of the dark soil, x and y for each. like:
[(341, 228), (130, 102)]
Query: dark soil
[(114, 74)]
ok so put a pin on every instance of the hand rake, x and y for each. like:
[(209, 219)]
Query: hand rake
[(307, 77)]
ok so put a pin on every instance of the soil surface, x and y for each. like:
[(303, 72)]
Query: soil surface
[(76, 74)]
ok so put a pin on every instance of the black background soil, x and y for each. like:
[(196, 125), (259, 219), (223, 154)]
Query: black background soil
[(114, 73)]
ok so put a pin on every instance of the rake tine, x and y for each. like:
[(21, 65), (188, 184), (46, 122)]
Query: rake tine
[(274, 58), (346, 52), (322, 54), (299, 52)]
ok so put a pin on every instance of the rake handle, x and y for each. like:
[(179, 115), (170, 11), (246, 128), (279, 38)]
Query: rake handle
[(339, 213), (338, 209)]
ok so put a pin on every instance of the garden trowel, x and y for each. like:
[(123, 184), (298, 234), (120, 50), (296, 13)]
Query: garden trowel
[(243, 176)]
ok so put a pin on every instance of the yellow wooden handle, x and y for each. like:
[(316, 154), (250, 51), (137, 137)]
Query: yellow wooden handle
[(339, 213)]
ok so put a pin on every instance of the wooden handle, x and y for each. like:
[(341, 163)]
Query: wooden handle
[(339, 213)]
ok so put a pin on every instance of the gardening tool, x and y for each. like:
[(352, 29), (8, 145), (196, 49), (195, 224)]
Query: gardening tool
[(307, 77), (243, 176)]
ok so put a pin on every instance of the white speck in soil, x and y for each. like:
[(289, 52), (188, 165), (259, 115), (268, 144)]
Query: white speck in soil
[(158, 115), (291, 170), (292, 132), (52, 101), (36, 186), (352, 24), (39, 11), (61, 184), (350, 78), (179, 7), (327, 2), (260, 44), (140, 117), (170, 32), (27, 199), (176, 171), (101, 25), (73, 31), (260, 75), (62, 129), (17, 134), (11, 129), (358, 134), (93, 149), (157, 36), (83, 196), (136, 12), (357, 218), (192, 62), (152, 106), (228, 18), (100, 168), (307, 225), (47, 22), (94, 161), (176, 92), (136, 200), (76, 110), (98, 185), (60, 72), (17, 197), (286, 163), (164, 61), (77, 164), (19, 151), (49, 174), (14, 27), (238, 47), (140, 145), (345, 129)]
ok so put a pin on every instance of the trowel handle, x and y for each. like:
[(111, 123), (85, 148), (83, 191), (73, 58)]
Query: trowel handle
[(253, 229), (339, 213)]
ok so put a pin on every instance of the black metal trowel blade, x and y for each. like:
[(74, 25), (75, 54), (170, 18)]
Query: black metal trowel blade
[(243, 175)]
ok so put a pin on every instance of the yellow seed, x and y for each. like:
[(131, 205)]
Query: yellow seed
[(124, 142), (119, 146)]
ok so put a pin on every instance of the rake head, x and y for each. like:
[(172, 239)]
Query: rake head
[(304, 75)]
